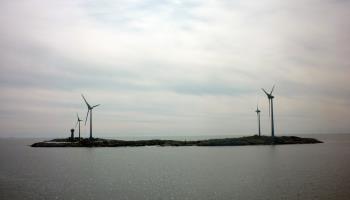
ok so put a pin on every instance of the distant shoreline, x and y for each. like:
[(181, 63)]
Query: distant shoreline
[(241, 141)]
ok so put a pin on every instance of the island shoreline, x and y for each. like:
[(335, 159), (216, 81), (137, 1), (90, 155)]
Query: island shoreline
[(241, 141)]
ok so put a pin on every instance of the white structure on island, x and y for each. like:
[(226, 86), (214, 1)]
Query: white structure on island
[(87, 114), (270, 98), (78, 122), (258, 114)]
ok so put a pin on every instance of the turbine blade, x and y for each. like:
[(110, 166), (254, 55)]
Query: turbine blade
[(95, 105), (272, 89), (78, 117), (87, 114), (265, 92), (76, 124), (88, 105)]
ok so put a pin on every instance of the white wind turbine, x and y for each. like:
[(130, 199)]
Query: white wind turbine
[(87, 114), (78, 122), (270, 97), (258, 114)]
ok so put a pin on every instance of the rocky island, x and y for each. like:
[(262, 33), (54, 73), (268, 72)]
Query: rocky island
[(249, 140)]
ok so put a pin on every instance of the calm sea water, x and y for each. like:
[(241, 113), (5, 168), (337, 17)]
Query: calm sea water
[(314, 171)]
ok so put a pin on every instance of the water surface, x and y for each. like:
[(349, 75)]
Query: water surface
[(307, 171)]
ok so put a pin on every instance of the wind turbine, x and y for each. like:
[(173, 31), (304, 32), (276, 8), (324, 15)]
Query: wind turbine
[(87, 114), (270, 97), (258, 114), (78, 122)]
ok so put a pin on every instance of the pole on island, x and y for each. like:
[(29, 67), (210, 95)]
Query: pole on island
[(72, 134)]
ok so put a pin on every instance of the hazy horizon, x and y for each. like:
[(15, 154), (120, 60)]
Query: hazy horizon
[(174, 68)]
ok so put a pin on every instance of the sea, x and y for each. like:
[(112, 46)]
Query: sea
[(303, 171)]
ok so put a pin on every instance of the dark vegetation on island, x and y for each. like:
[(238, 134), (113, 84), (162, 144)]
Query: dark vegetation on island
[(250, 140)]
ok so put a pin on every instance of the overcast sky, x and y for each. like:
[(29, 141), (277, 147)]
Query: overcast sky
[(174, 68)]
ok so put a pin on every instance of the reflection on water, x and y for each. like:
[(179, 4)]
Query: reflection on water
[(316, 171)]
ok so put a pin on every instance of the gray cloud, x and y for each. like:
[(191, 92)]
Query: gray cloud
[(193, 67)]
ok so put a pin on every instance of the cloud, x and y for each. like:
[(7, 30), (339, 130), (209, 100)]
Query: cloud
[(173, 67)]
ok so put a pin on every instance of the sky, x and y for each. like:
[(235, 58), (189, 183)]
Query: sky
[(174, 68)]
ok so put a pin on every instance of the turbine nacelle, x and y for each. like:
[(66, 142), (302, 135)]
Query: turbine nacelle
[(87, 104), (79, 120), (269, 95), (257, 109)]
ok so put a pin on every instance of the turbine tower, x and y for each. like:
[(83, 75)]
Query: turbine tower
[(258, 114), (270, 97), (78, 122), (87, 114)]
